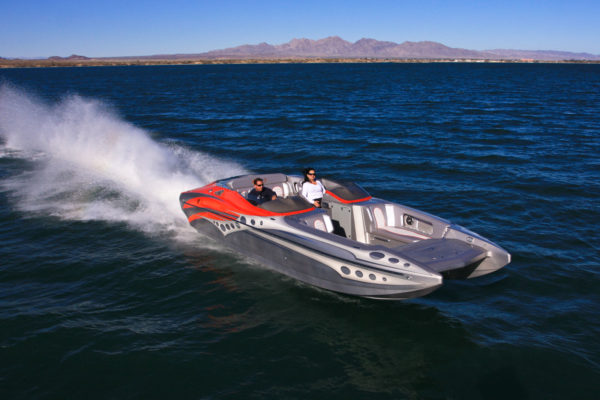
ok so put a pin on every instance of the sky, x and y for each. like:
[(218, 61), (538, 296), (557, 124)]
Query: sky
[(104, 28)]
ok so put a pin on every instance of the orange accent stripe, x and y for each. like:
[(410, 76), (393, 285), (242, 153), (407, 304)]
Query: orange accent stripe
[(348, 201), (231, 202), (226, 201)]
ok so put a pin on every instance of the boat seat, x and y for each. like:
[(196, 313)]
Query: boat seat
[(385, 225), (320, 221), (247, 180), (324, 224), (281, 189)]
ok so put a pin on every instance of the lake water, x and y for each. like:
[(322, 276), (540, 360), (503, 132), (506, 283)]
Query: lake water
[(106, 292)]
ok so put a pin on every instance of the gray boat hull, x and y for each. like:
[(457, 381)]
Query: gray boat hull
[(355, 244), (313, 267)]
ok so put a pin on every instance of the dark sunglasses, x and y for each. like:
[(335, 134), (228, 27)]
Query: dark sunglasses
[(313, 174), (259, 184)]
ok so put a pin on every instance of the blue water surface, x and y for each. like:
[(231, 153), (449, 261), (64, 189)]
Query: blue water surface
[(106, 292)]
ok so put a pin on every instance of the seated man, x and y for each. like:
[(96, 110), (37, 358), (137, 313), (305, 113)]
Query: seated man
[(260, 193)]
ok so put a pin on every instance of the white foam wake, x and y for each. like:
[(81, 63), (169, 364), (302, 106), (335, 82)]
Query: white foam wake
[(89, 164)]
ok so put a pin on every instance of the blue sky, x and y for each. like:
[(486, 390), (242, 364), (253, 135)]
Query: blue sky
[(42, 28)]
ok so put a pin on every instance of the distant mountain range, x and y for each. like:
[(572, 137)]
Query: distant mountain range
[(332, 47), (335, 46), (71, 57)]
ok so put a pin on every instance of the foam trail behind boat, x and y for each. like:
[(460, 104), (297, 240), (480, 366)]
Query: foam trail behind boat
[(89, 164)]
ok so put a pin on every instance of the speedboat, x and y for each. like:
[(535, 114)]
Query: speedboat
[(354, 244)]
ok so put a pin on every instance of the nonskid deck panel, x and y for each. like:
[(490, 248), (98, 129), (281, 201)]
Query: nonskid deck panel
[(442, 255)]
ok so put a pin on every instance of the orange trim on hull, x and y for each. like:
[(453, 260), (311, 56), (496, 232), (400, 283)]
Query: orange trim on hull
[(230, 202), (347, 201)]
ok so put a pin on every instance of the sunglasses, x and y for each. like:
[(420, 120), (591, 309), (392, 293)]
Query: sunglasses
[(259, 184), (313, 174)]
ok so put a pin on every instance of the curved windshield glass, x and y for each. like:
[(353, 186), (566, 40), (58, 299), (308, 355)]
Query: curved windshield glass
[(348, 190)]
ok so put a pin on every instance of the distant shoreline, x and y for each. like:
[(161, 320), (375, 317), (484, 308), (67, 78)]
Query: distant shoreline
[(143, 61)]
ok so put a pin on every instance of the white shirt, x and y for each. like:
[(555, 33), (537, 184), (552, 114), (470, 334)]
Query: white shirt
[(312, 192)]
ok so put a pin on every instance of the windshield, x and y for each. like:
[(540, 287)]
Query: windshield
[(348, 190)]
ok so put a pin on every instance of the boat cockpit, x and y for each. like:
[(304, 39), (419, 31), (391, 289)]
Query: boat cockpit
[(347, 210)]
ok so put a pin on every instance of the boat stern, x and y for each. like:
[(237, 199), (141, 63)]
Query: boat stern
[(495, 256)]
